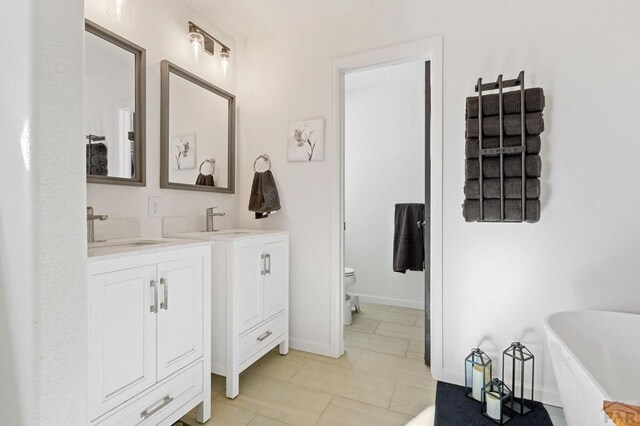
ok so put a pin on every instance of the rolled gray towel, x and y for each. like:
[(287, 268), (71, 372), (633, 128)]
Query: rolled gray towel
[(532, 144), (512, 188), (98, 171), (512, 167), (512, 210), (534, 125), (97, 149), (99, 160), (533, 102)]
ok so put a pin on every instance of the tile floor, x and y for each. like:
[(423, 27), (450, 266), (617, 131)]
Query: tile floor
[(380, 380)]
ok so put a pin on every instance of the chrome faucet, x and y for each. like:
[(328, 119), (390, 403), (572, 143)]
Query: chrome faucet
[(210, 215), (90, 219)]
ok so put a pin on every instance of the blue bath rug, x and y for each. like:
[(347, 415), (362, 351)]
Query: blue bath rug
[(453, 408)]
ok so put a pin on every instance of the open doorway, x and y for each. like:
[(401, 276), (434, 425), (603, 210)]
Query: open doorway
[(427, 53), (386, 185)]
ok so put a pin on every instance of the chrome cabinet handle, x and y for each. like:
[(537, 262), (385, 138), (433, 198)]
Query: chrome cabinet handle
[(269, 264), (263, 258), (163, 403), (154, 306), (264, 336), (165, 295)]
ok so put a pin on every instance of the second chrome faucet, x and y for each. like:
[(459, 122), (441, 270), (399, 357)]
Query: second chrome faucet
[(210, 215)]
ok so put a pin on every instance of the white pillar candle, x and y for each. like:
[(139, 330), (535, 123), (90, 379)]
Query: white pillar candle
[(478, 382), (493, 404)]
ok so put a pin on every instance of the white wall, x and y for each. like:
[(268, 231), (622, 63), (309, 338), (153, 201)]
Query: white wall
[(500, 281), (384, 165), (160, 26), (42, 239)]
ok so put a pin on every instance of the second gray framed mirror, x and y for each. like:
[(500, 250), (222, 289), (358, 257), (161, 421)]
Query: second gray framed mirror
[(197, 133)]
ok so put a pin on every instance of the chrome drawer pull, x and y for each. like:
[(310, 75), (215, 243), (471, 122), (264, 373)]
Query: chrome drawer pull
[(264, 336), (269, 264), (165, 401), (165, 285), (263, 258), (154, 307)]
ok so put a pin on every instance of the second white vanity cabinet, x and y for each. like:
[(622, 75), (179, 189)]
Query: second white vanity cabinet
[(250, 299), (149, 335)]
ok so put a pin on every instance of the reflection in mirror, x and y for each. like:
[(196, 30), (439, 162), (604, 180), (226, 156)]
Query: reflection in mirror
[(114, 109), (197, 133)]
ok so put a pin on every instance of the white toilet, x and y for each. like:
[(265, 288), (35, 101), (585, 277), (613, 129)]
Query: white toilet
[(350, 302)]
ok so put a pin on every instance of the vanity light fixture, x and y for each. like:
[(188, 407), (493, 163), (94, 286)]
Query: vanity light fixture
[(202, 41)]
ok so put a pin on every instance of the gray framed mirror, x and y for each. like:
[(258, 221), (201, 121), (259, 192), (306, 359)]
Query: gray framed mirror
[(197, 133), (115, 72)]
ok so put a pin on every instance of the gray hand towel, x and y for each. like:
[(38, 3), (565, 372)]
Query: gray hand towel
[(264, 198), (512, 188), (533, 102), (205, 180), (532, 144), (408, 238), (534, 125), (512, 210), (512, 166)]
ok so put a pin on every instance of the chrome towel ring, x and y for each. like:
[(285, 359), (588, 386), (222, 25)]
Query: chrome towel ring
[(210, 161), (265, 157)]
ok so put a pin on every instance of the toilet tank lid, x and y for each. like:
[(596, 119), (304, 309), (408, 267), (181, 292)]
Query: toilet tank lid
[(349, 271)]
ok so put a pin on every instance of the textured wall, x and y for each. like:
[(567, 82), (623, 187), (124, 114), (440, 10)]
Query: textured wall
[(42, 227), (59, 212), (18, 352)]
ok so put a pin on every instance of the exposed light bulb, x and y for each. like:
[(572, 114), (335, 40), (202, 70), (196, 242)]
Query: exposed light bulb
[(119, 9), (224, 61), (197, 44)]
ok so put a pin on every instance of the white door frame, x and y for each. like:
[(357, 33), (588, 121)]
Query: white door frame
[(422, 50)]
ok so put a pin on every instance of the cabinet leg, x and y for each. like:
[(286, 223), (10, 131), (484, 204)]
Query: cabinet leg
[(284, 346), (203, 410), (233, 385)]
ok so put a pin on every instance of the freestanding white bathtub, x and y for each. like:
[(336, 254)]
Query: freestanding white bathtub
[(596, 357)]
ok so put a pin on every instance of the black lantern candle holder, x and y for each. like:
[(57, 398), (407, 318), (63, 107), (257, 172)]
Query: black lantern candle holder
[(495, 399), (521, 358), (478, 372)]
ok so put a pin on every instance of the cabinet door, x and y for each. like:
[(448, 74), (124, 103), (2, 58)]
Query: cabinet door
[(276, 277), (122, 336), (248, 294), (180, 314)]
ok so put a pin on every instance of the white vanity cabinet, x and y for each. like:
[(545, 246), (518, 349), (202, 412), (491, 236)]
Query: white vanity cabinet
[(149, 335), (250, 299)]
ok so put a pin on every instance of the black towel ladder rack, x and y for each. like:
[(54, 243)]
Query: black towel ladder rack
[(500, 85)]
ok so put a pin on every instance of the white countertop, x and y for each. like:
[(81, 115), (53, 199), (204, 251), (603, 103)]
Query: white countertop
[(115, 249), (226, 234)]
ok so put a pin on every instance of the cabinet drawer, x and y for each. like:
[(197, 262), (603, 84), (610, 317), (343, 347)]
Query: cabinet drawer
[(161, 402), (259, 338)]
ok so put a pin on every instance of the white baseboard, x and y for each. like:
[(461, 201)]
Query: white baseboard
[(401, 303), (544, 395), (310, 346)]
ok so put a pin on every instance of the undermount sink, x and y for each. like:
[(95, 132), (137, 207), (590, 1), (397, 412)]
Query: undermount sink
[(137, 243)]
